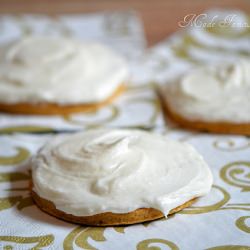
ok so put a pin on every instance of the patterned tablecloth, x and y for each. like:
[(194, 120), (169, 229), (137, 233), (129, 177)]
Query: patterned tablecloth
[(221, 220)]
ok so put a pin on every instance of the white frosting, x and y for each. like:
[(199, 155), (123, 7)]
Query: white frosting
[(58, 70), (218, 92), (118, 171)]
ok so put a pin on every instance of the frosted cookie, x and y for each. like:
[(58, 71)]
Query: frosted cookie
[(214, 98), (45, 75), (112, 177)]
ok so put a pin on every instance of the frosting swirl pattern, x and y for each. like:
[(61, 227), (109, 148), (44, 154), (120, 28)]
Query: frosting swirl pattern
[(118, 171), (58, 70), (218, 92)]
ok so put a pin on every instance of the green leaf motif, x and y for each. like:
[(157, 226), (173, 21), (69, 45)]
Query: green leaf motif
[(95, 233), (25, 202), (69, 240), (237, 174), (147, 244), (9, 202), (42, 241), (222, 204), (25, 128), (22, 155), (230, 247), (80, 236), (120, 229), (241, 224), (113, 113), (12, 177), (205, 209)]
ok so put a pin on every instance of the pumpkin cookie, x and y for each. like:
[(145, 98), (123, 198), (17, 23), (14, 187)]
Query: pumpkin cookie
[(214, 98), (48, 75), (106, 219), (117, 177), (56, 109)]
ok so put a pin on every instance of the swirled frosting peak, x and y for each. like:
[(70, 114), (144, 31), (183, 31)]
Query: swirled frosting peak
[(118, 171), (219, 92), (58, 70)]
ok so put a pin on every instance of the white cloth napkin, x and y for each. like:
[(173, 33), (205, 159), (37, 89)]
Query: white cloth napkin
[(220, 220)]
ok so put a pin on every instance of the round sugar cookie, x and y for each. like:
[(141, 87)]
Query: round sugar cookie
[(57, 75), (213, 98), (106, 177)]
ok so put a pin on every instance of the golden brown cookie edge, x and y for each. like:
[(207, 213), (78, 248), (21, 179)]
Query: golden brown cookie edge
[(213, 127), (105, 219), (56, 109)]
